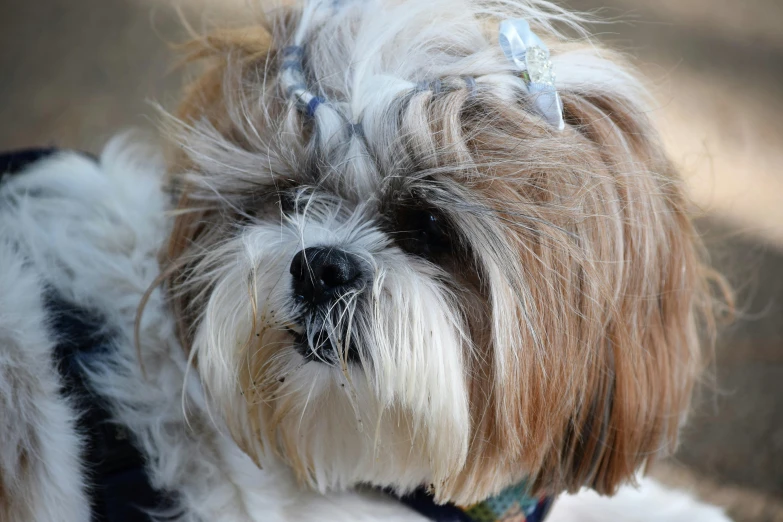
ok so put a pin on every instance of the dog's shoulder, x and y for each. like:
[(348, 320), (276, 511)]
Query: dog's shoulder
[(78, 243), (89, 225)]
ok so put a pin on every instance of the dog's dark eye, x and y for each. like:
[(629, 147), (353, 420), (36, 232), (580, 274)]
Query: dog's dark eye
[(422, 231), (287, 202)]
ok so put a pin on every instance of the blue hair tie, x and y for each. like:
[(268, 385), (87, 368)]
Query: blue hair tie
[(295, 65), (313, 104), (470, 83), (293, 51)]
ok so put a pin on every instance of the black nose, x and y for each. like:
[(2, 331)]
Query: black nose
[(321, 273)]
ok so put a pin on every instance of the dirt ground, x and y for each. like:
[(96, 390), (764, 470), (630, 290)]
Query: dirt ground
[(74, 72)]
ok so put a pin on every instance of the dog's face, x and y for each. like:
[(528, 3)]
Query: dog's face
[(456, 295)]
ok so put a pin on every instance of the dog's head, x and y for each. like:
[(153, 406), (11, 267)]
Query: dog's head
[(417, 280)]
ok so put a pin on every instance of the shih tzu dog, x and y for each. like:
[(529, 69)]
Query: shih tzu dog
[(393, 269)]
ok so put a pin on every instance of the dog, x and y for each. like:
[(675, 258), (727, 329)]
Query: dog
[(400, 262)]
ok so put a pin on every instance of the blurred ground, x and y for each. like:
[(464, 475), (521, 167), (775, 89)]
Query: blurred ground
[(74, 72)]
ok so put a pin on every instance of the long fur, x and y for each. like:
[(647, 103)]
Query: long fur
[(558, 340)]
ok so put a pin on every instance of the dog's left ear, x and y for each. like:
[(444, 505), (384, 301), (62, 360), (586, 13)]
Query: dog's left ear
[(644, 363)]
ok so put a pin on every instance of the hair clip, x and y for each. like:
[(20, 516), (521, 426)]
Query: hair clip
[(526, 50)]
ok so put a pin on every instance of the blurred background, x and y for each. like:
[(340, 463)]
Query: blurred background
[(74, 72)]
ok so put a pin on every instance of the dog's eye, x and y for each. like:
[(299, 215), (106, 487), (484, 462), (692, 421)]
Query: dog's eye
[(422, 231), (287, 202)]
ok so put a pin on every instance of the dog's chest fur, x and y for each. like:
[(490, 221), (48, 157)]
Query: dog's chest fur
[(89, 234)]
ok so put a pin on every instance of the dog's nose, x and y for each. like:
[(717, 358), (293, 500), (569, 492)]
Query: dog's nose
[(321, 273)]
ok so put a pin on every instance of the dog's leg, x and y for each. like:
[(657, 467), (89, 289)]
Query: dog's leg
[(40, 472), (650, 502)]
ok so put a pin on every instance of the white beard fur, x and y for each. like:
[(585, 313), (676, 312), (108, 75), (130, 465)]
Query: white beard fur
[(92, 233)]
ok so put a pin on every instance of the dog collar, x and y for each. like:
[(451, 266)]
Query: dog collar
[(513, 504)]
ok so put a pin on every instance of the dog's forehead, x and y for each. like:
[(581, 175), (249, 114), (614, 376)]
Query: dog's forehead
[(362, 179)]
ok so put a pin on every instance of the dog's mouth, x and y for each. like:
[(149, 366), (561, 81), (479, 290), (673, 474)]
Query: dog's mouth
[(328, 334), (319, 346)]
